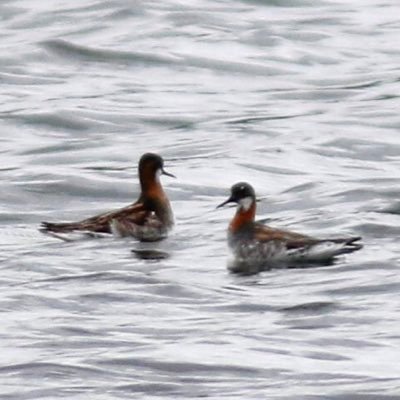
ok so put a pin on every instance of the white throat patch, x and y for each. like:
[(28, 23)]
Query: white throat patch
[(158, 173), (246, 203)]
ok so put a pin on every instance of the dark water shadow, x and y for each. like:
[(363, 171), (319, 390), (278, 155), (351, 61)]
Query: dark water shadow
[(245, 269), (150, 254)]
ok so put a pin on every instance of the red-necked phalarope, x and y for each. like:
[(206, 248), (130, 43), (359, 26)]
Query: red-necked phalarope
[(148, 219), (255, 245)]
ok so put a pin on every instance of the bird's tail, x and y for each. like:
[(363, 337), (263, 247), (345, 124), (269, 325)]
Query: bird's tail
[(348, 245), (56, 227), (327, 249)]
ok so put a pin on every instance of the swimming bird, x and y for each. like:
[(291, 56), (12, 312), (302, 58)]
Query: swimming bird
[(148, 219), (255, 244)]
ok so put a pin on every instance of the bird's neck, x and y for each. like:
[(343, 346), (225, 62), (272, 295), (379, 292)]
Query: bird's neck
[(150, 184), (244, 216), (156, 200)]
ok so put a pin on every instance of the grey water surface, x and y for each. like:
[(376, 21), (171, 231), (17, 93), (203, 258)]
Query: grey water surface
[(300, 98)]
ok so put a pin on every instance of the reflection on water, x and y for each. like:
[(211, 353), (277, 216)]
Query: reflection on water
[(150, 254), (297, 98)]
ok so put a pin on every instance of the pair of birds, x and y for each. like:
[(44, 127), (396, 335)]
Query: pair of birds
[(150, 218)]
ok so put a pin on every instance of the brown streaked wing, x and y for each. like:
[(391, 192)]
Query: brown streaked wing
[(264, 233), (100, 223)]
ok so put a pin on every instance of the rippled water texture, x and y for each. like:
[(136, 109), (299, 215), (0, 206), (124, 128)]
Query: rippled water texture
[(299, 98)]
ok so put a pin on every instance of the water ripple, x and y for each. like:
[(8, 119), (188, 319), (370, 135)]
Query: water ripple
[(298, 98)]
